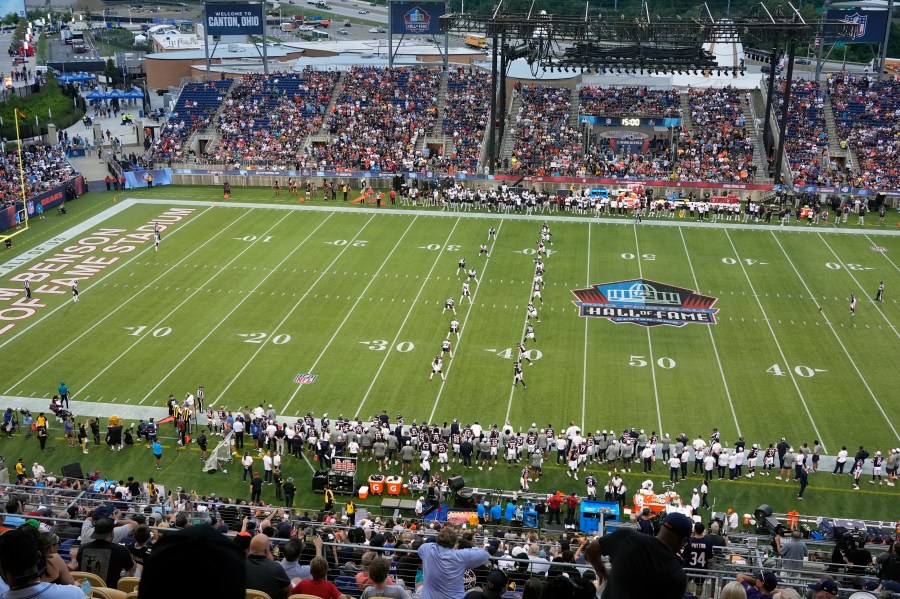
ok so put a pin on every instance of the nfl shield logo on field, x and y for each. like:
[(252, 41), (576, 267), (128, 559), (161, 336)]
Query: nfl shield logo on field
[(303, 379)]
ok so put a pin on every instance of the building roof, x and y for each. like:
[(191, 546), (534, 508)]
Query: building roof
[(375, 46), (224, 52)]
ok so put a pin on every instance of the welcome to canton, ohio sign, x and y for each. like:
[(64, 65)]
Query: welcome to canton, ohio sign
[(646, 303)]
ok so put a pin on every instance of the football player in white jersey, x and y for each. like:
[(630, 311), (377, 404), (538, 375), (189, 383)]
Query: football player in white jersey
[(483, 251), (446, 348), (454, 328), (450, 304), (461, 266), (536, 292), (533, 313), (437, 366), (529, 332), (473, 274), (518, 376), (466, 292)]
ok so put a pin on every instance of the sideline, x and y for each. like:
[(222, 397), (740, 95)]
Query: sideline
[(555, 216)]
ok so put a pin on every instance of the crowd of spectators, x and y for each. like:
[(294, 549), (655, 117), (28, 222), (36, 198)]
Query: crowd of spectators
[(378, 119), (43, 166), (629, 101), (196, 105), (867, 116), (545, 143), (267, 118), (109, 527), (806, 141), (466, 108), (719, 148)]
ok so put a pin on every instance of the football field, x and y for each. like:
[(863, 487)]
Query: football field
[(244, 298)]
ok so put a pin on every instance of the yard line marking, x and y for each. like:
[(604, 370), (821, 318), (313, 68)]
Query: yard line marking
[(784, 359), (712, 339), (172, 311), (584, 366), (114, 310), (843, 347), (637, 253), (100, 280), (462, 325), (512, 387), (290, 312), (238, 305), (350, 311), (863, 291), (403, 324)]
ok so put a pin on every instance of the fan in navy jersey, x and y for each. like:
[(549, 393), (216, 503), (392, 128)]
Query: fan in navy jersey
[(697, 554)]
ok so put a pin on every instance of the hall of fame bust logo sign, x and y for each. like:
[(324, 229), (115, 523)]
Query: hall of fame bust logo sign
[(646, 303)]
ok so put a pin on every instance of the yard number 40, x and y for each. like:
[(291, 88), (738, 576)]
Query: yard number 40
[(804, 371)]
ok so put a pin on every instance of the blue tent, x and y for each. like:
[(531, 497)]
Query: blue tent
[(134, 94), (97, 95), (75, 77)]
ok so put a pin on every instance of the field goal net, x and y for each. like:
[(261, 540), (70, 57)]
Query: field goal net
[(220, 456)]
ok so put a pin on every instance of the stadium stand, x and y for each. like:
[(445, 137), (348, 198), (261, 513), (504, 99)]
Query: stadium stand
[(44, 168), (807, 137), (867, 115), (629, 101), (465, 119), (545, 143), (268, 118), (196, 105), (378, 119), (720, 149)]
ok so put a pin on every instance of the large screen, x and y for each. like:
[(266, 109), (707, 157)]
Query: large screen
[(870, 25), (16, 6), (234, 19), (412, 18)]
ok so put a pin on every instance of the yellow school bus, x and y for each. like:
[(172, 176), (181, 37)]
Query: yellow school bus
[(476, 41)]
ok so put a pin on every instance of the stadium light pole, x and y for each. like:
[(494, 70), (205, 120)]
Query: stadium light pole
[(887, 35)]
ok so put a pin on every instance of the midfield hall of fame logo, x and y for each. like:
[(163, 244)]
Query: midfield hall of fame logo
[(646, 303)]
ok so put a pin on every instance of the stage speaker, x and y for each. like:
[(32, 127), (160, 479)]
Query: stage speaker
[(73, 470), (456, 483)]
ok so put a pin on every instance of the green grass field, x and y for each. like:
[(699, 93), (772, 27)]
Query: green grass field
[(242, 299)]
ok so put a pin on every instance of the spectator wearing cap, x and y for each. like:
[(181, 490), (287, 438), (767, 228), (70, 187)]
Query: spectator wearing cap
[(493, 588), (824, 589), (380, 587), (104, 556), (643, 566), (263, 573), (443, 565), (759, 586)]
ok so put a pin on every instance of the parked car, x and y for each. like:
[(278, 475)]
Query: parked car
[(377, 30), (343, 32)]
